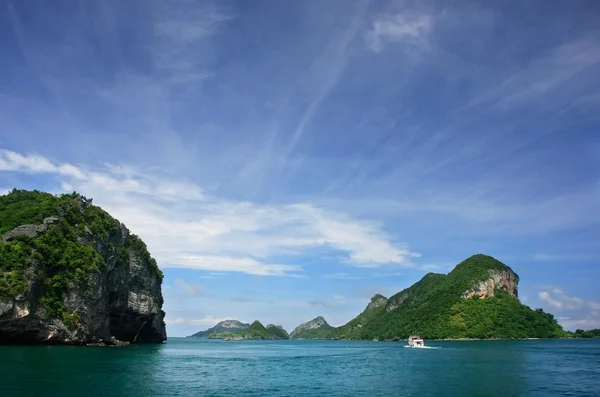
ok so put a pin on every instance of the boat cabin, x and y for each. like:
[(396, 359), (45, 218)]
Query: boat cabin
[(415, 341)]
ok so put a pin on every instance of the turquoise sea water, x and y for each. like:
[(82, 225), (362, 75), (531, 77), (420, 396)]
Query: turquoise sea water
[(191, 367)]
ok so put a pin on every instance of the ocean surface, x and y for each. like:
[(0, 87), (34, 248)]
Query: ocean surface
[(192, 367)]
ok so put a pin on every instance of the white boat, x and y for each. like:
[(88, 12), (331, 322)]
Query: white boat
[(415, 341)]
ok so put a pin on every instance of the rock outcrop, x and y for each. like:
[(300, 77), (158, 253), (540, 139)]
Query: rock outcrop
[(395, 302), (110, 294), (29, 230), (499, 280), (314, 329), (376, 301)]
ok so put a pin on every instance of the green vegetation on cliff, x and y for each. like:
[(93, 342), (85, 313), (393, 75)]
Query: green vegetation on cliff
[(323, 332), (438, 306), (276, 332), (63, 251)]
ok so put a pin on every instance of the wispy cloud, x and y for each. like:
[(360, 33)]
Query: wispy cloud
[(181, 26), (191, 288), (543, 75), (339, 276), (330, 67), (400, 27), (217, 235), (546, 257), (318, 302)]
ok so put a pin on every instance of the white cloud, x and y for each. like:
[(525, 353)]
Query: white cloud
[(243, 265), (184, 228), (557, 299), (573, 312), (398, 28)]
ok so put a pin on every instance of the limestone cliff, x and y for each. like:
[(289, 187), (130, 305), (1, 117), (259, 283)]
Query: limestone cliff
[(77, 277), (376, 301), (499, 280)]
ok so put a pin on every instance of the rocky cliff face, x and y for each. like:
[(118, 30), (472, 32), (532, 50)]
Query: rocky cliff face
[(376, 301), (499, 280), (110, 296), (303, 330)]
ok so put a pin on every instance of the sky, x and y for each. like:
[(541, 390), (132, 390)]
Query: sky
[(284, 160)]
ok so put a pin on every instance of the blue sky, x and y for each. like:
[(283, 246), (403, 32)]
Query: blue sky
[(284, 160)]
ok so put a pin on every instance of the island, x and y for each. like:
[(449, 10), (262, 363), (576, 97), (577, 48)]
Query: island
[(222, 327), (478, 299), (72, 274), (234, 330)]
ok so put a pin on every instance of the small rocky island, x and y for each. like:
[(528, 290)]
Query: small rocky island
[(222, 327), (235, 330), (72, 274)]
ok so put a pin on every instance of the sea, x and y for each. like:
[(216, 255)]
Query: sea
[(201, 367)]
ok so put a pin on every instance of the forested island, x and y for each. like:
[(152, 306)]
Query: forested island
[(476, 300), (72, 274)]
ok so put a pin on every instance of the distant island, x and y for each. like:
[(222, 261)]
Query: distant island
[(223, 327), (235, 330), (478, 299)]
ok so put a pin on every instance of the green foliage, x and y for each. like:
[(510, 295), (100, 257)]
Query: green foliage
[(501, 316), (137, 245), (324, 332), (71, 321), (592, 333), (100, 223), (22, 207), (277, 333), (12, 283), (434, 309)]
